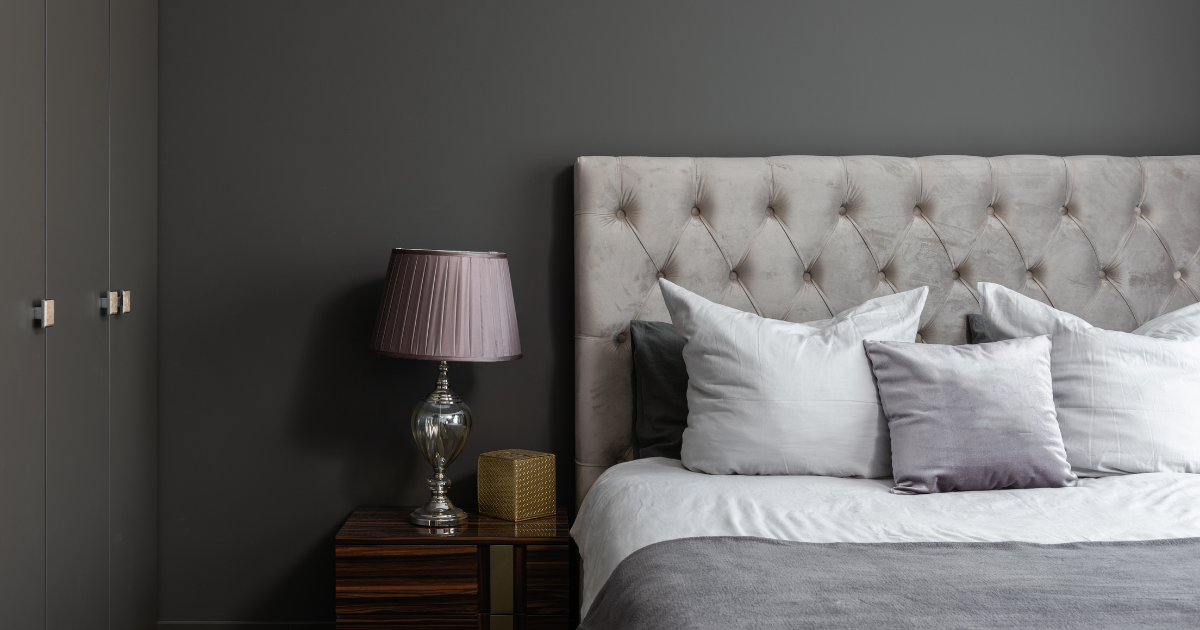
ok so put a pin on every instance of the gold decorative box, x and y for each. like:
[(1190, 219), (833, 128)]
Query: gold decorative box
[(516, 484)]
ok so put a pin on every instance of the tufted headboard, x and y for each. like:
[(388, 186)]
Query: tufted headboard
[(1112, 239)]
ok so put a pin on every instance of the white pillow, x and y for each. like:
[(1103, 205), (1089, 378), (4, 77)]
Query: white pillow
[(767, 397), (1126, 402)]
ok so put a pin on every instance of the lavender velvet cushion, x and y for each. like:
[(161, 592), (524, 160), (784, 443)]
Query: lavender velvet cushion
[(974, 417)]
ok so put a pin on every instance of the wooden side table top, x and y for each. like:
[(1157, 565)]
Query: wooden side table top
[(389, 525)]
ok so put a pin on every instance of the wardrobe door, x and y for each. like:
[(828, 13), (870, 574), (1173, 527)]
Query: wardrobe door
[(134, 259), (22, 347), (77, 398)]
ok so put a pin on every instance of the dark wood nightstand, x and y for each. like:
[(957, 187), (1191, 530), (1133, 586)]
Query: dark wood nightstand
[(489, 575)]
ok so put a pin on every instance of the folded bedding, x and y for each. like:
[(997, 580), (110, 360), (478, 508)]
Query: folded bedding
[(639, 503), (729, 582)]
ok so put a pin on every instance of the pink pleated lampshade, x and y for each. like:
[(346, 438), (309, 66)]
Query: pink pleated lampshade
[(447, 306)]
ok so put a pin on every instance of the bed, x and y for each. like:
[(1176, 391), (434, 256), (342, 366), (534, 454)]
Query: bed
[(1113, 240)]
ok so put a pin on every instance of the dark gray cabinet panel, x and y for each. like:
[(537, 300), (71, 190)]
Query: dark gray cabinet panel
[(77, 400), (22, 347), (134, 260)]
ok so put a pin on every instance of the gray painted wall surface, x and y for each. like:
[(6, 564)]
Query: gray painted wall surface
[(302, 140)]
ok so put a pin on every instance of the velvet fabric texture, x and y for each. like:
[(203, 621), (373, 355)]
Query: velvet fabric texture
[(660, 381), (800, 238), (976, 417)]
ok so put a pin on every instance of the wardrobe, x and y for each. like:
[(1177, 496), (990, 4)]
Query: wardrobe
[(78, 399)]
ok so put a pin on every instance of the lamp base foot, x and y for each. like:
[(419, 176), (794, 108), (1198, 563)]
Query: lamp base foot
[(434, 515)]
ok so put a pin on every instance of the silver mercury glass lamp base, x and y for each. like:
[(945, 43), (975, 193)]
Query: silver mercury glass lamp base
[(441, 424), (438, 511)]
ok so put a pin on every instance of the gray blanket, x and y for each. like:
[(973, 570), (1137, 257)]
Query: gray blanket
[(741, 582)]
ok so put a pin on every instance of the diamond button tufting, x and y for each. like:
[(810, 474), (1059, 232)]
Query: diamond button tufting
[(1102, 274), (695, 212), (1178, 275), (1062, 210), (621, 338), (991, 210), (842, 210), (882, 276), (620, 214), (733, 275), (1029, 275), (1137, 210), (954, 275), (770, 212), (808, 277), (917, 211), (661, 275)]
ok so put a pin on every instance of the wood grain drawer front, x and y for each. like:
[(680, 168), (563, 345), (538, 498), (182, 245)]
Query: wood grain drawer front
[(407, 579), (547, 579), (413, 622)]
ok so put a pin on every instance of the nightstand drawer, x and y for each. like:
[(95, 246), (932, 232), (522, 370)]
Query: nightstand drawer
[(547, 579), (407, 579)]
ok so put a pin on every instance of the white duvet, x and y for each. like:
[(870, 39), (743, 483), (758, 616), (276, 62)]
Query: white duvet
[(639, 503)]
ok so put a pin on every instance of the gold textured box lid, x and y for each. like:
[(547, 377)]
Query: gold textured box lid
[(514, 454)]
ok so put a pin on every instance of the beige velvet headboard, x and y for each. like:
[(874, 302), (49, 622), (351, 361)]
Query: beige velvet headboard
[(1111, 239)]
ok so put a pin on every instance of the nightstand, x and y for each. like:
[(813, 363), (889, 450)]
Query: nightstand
[(489, 575)]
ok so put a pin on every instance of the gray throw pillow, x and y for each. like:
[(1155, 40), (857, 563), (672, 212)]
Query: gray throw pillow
[(973, 417), (660, 382), (977, 331)]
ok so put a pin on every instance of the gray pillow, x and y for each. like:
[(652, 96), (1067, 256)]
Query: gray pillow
[(977, 331), (660, 381), (973, 417)]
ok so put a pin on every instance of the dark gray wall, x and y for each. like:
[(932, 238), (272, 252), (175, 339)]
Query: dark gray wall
[(78, 405), (302, 140)]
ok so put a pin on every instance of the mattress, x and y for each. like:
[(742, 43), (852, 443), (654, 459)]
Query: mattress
[(639, 503)]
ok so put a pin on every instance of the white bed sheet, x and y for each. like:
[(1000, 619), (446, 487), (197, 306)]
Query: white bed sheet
[(642, 502)]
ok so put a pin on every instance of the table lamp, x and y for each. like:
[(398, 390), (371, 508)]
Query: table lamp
[(445, 306)]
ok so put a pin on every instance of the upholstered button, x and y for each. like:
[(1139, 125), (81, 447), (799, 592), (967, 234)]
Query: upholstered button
[(1101, 273), (1062, 210), (621, 338), (917, 211), (695, 212), (620, 214), (1137, 210), (1029, 275), (1178, 274), (842, 210), (808, 276), (882, 276), (770, 212), (919, 338), (661, 275), (954, 275), (733, 275), (991, 210)]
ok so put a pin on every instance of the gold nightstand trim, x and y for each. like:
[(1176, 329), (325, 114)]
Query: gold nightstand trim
[(502, 581)]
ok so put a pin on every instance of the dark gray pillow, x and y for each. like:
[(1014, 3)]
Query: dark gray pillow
[(973, 417), (977, 331), (660, 383)]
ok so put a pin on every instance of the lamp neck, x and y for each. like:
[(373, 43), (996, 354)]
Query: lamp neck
[(443, 394)]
